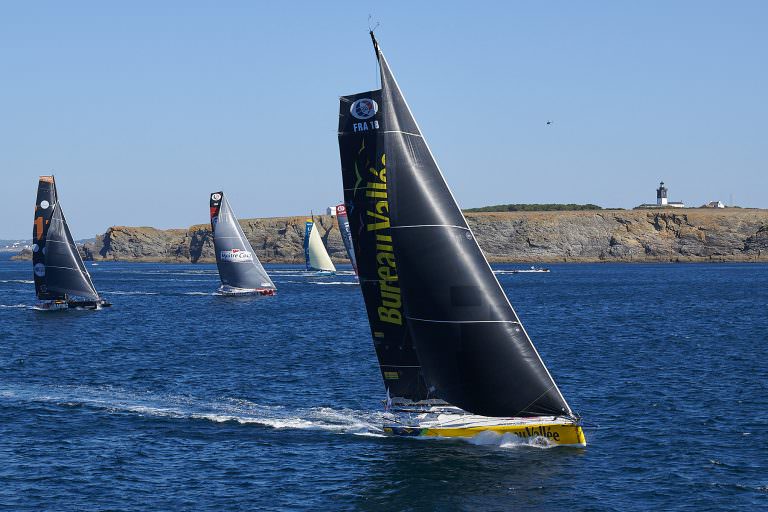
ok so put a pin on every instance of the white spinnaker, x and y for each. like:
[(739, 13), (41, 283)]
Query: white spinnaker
[(318, 256)]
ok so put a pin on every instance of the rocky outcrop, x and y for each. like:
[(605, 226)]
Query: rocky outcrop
[(619, 235), (26, 254), (277, 239), (536, 237)]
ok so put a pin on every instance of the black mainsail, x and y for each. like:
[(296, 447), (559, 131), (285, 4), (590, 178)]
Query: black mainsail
[(58, 269), (422, 273), (364, 176), (238, 265)]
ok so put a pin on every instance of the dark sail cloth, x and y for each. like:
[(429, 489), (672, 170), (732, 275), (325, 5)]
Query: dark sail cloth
[(471, 347), (57, 266), (238, 265)]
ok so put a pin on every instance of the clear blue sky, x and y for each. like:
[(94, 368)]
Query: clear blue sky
[(141, 109)]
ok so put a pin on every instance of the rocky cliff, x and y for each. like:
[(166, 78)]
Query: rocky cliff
[(535, 237), (277, 239)]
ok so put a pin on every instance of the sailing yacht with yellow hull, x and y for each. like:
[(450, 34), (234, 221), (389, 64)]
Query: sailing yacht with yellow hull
[(455, 359)]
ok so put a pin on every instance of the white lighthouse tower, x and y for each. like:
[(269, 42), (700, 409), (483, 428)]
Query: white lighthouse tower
[(661, 195)]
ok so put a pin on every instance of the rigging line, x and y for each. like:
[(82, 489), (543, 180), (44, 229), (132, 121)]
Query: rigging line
[(550, 388), (359, 188)]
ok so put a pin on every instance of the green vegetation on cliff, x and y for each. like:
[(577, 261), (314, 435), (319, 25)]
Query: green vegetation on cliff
[(534, 207)]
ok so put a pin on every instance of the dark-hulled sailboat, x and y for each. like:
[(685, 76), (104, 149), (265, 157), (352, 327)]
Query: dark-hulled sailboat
[(346, 234), (61, 280), (455, 359), (240, 270)]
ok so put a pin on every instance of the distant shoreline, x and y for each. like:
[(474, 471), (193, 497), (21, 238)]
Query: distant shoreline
[(695, 235)]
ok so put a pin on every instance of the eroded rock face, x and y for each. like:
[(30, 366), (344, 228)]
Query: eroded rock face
[(605, 235), (634, 235), (140, 244), (277, 239)]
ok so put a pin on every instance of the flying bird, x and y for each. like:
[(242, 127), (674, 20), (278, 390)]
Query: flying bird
[(549, 122)]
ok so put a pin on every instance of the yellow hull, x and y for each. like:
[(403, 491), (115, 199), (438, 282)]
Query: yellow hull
[(554, 433)]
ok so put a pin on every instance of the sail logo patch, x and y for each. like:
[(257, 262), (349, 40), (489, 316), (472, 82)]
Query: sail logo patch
[(236, 255), (216, 196), (39, 270), (364, 108)]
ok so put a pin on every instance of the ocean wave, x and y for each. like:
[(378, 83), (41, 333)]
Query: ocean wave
[(240, 411), (243, 412), (14, 305), (19, 281), (337, 282), (508, 441), (173, 272), (119, 292)]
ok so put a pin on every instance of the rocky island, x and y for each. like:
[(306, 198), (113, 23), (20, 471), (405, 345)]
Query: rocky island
[(659, 235)]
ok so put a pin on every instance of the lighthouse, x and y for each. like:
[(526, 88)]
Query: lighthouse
[(661, 195)]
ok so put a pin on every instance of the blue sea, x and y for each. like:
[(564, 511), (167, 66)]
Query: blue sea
[(178, 399)]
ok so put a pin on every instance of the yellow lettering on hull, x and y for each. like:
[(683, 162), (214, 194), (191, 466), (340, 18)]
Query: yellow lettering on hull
[(553, 433)]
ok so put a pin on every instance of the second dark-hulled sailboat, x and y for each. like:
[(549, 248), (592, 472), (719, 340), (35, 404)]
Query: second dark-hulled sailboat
[(346, 234), (240, 270), (454, 356), (61, 279)]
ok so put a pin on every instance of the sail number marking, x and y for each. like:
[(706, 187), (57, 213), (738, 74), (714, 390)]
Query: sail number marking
[(365, 126)]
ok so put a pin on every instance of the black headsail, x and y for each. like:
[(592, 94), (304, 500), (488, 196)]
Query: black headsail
[(473, 351), (238, 264), (58, 268), (365, 193)]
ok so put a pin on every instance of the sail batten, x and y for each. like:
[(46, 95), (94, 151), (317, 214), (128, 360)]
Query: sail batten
[(462, 321), (431, 226), (471, 347), (239, 267)]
